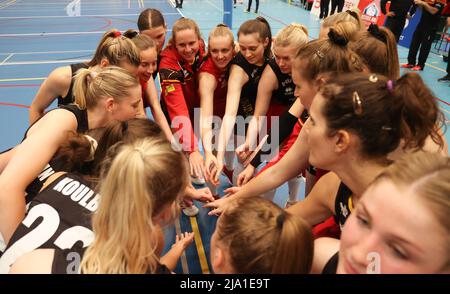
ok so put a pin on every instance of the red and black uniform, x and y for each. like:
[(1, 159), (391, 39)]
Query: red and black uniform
[(220, 93), (283, 97), (145, 98), (179, 95)]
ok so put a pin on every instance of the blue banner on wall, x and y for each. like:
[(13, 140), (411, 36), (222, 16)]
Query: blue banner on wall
[(410, 28)]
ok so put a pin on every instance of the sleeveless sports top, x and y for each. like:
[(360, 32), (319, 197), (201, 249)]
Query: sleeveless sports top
[(58, 217), (54, 166), (285, 92), (331, 266), (249, 90), (69, 97), (343, 205)]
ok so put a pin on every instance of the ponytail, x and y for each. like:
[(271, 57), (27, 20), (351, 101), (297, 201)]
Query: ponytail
[(295, 236), (274, 241), (419, 113), (90, 86), (381, 112), (75, 151), (142, 180), (115, 48)]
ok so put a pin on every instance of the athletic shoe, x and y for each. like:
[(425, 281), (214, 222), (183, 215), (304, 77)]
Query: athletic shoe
[(444, 79), (191, 211), (417, 67), (246, 11), (407, 65)]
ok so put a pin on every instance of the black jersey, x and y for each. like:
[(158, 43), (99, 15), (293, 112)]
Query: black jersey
[(343, 205), (58, 217), (249, 90), (331, 266), (69, 98), (54, 165), (285, 92), (67, 261)]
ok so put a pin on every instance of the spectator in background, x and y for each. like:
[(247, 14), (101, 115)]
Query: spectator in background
[(396, 16), (424, 34)]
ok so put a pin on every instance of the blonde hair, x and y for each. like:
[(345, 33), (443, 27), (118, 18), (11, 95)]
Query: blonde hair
[(294, 34), (349, 15), (275, 241), (144, 178), (347, 29), (111, 81), (426, 175), (221, 30), (115, 48), (182, 24)]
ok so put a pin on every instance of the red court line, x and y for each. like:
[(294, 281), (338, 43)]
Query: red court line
[(19, 85), (14, 104), (445, 102)]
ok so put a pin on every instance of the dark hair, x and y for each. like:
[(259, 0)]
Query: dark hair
[(150, 18), (77, 148), (261, 26), (377, 47), (381, 113), (327, 55)]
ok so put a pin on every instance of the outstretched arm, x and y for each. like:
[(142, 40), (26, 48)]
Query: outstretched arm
[(56, 84), (157, 112), (236, 81), (182, 241)]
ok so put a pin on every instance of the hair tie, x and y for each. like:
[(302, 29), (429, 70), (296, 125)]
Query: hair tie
[(93, 74), (352, 13), (117, 34), (390, 85), (374, 30), (336, 38), (280, 219), (93, 144)]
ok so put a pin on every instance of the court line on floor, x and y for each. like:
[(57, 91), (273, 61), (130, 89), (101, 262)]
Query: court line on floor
[(199, 244), (7, 57), (14, 104), (80, 16), (7, 4), (46, 52), (55, 34), (21, 79), (44, 62)]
